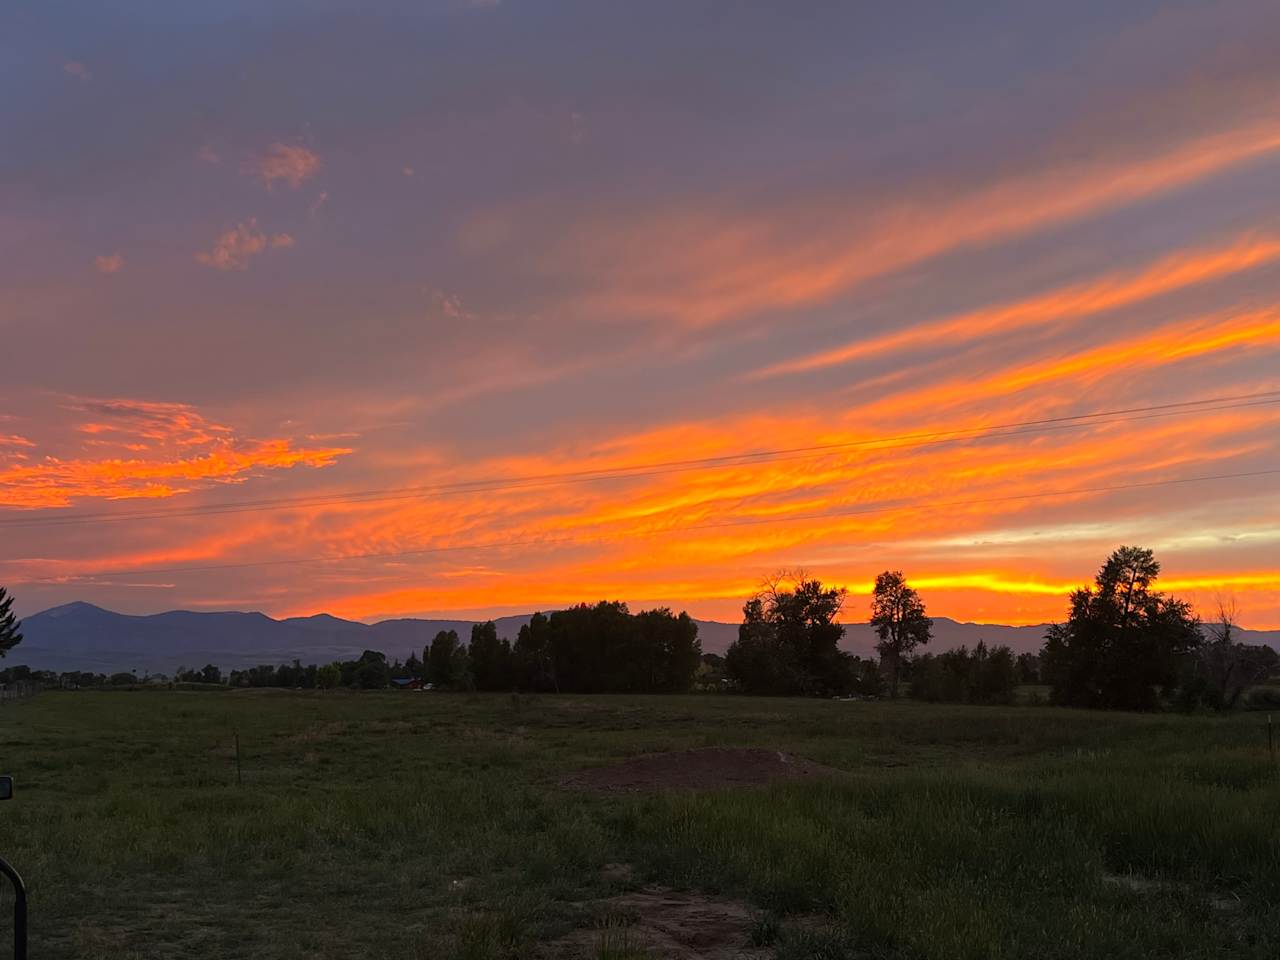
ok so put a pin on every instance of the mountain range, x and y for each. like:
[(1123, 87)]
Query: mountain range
[(81, 636)]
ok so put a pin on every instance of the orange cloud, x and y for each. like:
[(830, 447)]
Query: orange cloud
[(236, 247), (109, 263), (290, 163), (186, 452), (1173, 273), (707, 266)]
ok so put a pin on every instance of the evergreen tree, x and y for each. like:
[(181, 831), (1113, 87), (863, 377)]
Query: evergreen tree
[(10, 634)]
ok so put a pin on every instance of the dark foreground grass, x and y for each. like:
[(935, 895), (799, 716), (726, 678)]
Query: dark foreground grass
[(392, 825)]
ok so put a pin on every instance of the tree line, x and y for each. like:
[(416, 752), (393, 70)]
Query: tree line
[(588, 648), (1123, 645)]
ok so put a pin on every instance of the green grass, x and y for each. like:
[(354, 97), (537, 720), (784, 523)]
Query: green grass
[(429, 826)]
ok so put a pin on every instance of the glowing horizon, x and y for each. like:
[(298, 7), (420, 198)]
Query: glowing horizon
[(262, 284)]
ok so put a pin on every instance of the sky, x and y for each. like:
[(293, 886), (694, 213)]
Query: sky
[(472, 308)]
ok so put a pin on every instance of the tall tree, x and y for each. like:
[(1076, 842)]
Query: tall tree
[(898, 614), (490, 658), (1123, 641), (10, 634), (531, 655), (442, 658)]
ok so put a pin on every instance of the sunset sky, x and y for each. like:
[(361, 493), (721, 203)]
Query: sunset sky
[(473, 308)]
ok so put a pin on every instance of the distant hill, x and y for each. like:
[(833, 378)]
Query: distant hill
[(80, 636)]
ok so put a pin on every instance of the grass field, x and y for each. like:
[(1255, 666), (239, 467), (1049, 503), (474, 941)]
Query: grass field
[(397, 825)]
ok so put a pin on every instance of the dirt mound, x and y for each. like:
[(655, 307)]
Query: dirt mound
[(662, 923), (702, 769)]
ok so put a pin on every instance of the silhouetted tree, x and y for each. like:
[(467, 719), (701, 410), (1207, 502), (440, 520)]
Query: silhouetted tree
[(442, 658), (788, 642), (668, 651), (372, 671), (1123, 641), (10, 634), (1224, 668), (898, 614), (531, 655), (961, 676), (491, 667), (1028, 668)]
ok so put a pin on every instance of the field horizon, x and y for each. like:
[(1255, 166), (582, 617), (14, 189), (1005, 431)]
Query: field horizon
[(399, 825), (83, 636)]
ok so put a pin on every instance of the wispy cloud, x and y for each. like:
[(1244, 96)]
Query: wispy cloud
[(77, 70), (109, 263), (701, 266), (236, 247), (291, 164), (1173, 273)]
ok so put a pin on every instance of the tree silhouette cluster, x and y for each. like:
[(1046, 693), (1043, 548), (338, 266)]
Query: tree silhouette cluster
[(789, 639), (588, 648), (962, 676)]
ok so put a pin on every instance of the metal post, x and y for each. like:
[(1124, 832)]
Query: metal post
[(19, 910)]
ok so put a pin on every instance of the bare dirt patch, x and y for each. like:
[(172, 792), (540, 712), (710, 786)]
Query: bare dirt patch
[(702, 769), (657, 922)]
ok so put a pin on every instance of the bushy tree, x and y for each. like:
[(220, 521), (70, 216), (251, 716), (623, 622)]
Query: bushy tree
[(604, 648), (898, 615), (1028, 668), (372, 671), (788, 642), (1123, 642), (10, 625), (668, 651), (329, 676), (960, 676)]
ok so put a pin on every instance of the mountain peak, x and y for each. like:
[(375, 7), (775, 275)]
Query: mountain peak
[(74, 608)]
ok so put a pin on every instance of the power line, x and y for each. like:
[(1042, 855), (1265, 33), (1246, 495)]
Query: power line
[(392, 494), (741, 522)]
